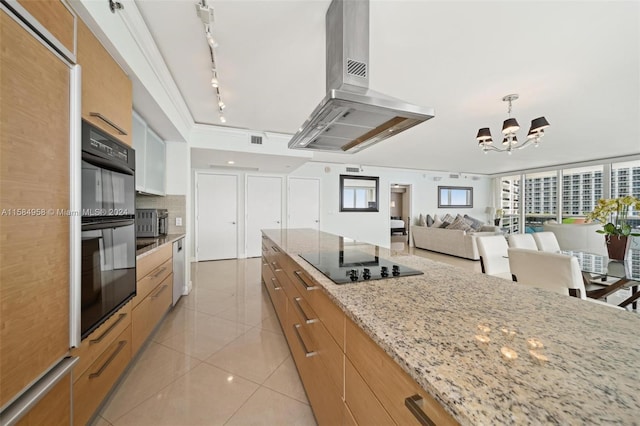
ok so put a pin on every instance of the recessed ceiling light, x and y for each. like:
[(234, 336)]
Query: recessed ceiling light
[(231, 162)]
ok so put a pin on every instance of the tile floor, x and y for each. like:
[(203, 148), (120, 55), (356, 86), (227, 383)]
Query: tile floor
[(218, 358)]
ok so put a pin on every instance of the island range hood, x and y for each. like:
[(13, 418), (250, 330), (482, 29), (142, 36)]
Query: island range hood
[(352, 117)]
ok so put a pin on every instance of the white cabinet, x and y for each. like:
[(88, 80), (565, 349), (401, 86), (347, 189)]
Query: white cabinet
[(150, 158)]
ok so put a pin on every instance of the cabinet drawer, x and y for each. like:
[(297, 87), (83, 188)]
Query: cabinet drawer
[(91, 388), (331, 316), (278, 296), (388, 381), (324, 397), (151, 281), (364, 405), (321, 342), (146, 315), (56, 18), (147, 264), (98, 341)]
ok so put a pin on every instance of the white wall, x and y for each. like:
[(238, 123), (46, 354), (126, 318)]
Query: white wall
[(373, 227), (177, 168)]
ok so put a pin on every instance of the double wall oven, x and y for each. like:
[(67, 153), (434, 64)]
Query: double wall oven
[(108, 227)]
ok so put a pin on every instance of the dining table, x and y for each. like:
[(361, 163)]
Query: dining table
[(604, 276)]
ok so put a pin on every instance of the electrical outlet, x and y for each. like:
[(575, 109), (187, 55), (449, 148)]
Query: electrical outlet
[(178, 221)]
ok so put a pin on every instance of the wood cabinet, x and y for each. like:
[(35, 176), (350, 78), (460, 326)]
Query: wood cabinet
[(34, 177), (106, 89), (150, 158), (348, 378), (56, 17), (93, 385), (154, 273), (53, 409)]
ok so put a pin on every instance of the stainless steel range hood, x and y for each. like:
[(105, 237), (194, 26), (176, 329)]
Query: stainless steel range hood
[(352, 117)]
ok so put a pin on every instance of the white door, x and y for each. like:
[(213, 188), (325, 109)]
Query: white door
[(264, 210), (304, 203), (216, 217)]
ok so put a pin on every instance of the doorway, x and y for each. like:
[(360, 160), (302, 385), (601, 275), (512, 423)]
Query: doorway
[(216, 216), (400, 216), (264, 210), (304, 203)]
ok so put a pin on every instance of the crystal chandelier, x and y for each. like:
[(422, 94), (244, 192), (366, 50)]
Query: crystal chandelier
[(509, 129)]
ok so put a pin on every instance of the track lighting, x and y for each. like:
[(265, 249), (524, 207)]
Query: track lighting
[(214, 82)]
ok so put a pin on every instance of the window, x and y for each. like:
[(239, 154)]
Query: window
[(455, 196), (358, 193), (625, 180), (510, 203), (581, 190), (541, 202)]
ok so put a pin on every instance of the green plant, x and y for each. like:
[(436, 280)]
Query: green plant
[(613, 212)]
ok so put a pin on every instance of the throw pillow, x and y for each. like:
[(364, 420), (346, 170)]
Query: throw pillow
[(476, 224), (429, 220), (445, 224), (460, 224), (437, 223), (421, 221), (448, 218)]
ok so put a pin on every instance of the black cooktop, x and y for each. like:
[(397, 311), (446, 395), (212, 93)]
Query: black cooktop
[(349, 266)]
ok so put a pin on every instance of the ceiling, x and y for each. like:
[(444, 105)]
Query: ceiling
[(576, 63)]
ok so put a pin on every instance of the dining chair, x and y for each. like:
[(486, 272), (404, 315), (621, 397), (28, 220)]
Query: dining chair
[(493, 256), (555, 272), (524, 241), (546, 241)]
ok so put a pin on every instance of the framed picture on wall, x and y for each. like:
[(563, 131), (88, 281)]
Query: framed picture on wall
[(455, 196)]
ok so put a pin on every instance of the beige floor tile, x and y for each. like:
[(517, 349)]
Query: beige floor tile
[(271, 323), (202, 335), (156, 367), (287, 381), (99, 421), (249, 312), (254, 355), (204, 396), (267, 407)]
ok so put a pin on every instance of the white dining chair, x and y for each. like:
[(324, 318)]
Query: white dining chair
[(524, 241), (493, 256), (546, 241), (555, 272)]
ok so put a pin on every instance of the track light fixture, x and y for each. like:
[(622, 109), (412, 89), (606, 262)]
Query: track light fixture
[(205, 13), (509, 129)]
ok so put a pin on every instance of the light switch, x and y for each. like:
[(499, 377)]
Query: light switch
[(178, 221)]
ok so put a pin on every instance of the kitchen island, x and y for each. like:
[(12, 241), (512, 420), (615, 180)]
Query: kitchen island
[(430, 325)]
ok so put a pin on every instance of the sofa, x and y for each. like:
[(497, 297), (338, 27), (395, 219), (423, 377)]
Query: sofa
[(578, 236), (451, 241)]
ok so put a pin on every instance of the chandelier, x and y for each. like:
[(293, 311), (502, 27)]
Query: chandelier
[(509, 129)]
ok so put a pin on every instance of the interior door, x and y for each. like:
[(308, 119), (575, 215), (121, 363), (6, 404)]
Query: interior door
[(216, 217), (304, 203), (264, 209)]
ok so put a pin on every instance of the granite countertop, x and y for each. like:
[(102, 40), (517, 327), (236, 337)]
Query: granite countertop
[(155, 243), (428, 324)]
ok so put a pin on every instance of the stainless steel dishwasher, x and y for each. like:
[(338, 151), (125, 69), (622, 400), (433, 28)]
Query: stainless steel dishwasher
[(178, 270)]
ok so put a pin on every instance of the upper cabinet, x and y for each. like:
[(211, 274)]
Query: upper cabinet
[(150, 158), (106, 89), (56, 17)]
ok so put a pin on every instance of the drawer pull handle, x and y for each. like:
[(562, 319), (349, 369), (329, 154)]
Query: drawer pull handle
[(299, 307), (276, 249), (306, 286), (109, 122), (412, 404), (160, 271), (108, 330), (275, 286), (115, 353), (304, 347), (275, 267), (163, 288)]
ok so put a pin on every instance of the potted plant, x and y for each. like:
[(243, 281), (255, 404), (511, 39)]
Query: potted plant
[(614, 212)]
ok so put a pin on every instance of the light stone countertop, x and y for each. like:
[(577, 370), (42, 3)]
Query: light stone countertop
[(427, 324), (155, 243)]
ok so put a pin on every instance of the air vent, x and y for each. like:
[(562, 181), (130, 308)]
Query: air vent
[(256, 140), (454, 176), (359, 69), (353, 169)]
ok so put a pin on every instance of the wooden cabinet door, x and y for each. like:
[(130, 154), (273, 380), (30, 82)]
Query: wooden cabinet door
[(59, 20), (54, 409), (34, 177), (106, 89)]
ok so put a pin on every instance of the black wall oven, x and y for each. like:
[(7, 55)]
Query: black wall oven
[(108, 227)]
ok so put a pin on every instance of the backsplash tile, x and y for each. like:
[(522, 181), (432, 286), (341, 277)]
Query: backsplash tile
[(175, 204)]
